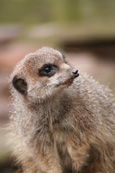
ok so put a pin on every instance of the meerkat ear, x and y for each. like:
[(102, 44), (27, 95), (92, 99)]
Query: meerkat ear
[(20, 85)]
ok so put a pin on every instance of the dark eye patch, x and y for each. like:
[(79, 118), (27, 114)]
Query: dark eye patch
[(20, 85), (48, 70)]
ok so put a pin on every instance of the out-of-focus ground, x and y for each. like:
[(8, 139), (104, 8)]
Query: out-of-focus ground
[(83, 31)]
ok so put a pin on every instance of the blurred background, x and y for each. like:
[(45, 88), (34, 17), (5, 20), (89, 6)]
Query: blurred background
[(83, 30)]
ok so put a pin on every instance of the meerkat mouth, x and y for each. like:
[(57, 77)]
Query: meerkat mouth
[(69, 81)]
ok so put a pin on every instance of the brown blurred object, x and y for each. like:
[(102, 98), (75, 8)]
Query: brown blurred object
[(8, 33)]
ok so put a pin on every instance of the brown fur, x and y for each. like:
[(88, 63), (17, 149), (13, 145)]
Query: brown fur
[(61, 128)]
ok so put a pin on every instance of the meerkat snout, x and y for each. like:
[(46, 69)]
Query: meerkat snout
[(69, 80)]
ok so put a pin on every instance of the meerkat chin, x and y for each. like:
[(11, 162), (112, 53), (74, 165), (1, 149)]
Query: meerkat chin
[(60, 123)]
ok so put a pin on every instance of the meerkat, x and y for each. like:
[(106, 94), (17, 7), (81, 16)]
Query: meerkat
[(60, 123)]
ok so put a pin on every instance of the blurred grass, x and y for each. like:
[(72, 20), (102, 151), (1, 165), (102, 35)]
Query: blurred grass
[(39, 11), (71, 19)]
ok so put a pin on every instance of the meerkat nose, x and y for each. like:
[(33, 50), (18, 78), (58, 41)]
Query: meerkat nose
[(76, 73)]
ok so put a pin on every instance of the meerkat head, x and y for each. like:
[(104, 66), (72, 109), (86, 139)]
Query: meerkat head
[(41, 75)]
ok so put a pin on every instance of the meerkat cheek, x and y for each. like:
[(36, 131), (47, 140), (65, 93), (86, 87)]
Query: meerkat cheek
[(53, 81)]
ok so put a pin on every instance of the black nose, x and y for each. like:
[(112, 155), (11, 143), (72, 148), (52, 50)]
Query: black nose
[(76, 74)]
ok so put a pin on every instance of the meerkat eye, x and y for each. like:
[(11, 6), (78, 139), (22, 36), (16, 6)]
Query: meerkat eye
[(48, 70)]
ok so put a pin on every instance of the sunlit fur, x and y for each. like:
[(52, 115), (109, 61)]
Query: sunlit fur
[(59, 128)]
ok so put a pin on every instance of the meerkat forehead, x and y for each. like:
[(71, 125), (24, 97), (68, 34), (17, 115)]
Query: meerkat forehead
[(45, 55), (48, 51), (32, 62), (40, 57)]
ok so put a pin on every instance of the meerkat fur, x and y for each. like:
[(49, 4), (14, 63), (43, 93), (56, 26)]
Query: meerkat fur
[(60, 123)]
